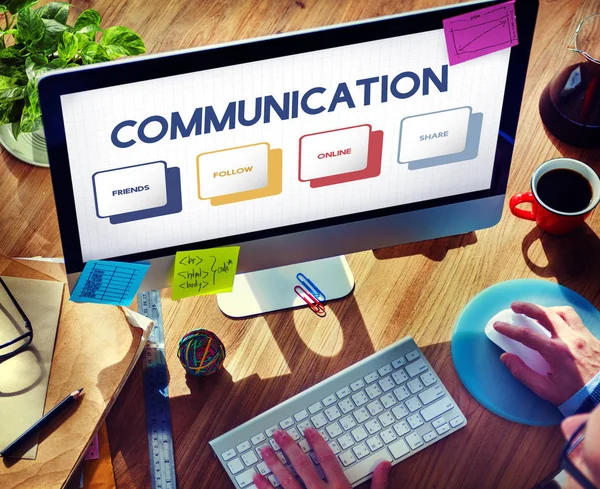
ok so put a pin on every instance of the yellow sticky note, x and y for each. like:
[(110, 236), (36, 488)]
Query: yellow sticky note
[(203, 272)]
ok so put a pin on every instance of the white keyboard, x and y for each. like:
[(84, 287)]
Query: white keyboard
[(386, 407)]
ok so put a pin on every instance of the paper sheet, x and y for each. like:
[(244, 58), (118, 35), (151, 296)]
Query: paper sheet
[(24, 378)]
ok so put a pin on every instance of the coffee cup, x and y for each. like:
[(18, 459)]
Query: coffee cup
[(563, 193)]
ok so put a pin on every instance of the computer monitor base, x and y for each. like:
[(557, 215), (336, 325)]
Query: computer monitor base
[(273, 289)]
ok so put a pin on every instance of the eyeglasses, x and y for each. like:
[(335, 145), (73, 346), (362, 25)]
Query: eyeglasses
[(16, 333), (567, 464)]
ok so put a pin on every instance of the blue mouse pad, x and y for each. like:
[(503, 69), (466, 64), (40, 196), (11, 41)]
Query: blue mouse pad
[(477, 359)]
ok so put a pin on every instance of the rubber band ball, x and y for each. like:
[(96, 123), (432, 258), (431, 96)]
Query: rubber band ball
[(201, 352)]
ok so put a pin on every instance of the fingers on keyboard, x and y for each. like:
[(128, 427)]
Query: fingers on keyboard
[(284, 476), (327, 459), (301, 462)]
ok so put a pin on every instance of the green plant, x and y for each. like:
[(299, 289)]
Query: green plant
[(36, 41)]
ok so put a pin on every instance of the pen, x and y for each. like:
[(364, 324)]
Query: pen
[(61, 406)]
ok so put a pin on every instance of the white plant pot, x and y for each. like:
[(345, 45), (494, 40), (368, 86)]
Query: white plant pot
[(29, 147)]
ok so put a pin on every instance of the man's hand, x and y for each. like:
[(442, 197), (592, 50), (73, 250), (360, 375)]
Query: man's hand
[(305, 468), (572, 352)]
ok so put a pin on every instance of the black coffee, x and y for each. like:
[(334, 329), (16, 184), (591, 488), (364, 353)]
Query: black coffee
[(564, 190)]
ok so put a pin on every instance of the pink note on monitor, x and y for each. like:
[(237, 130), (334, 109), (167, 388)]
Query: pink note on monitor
[(481, 32)]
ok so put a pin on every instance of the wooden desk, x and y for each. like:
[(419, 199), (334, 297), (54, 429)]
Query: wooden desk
[(417, 289)]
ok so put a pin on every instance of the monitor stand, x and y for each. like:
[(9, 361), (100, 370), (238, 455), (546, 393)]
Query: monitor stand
[(273, 289)]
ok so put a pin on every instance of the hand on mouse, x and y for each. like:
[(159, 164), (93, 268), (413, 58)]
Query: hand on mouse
[(572, 352), (305, 468)]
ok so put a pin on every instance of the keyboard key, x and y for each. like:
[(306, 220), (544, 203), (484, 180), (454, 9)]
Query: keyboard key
[(282, 458), (415, 421), (271, 431), (412, 355), (324, 435), (360, 398), (443, 429), (345, 391), (333, 413), (249, 458), (414, 440), (329, 400), (312, 409), (400, 411), (427, 437), (413, 404), (347, 422), (304, 445), (373, 426), (256, 439), (359, 434), (361, 450), (428, 378), (375, 408), (245, 478), (361, 415), (228, 455), (416, 368), (319, 420), (346, 406), (415, 386), (372, 377), (274, 445), (454, 422), (293, 432), (259, 449), (301, 415), (373, 391), (402, 393), (347, 458), (399, 362), (242, 447), (345, 441), (399, 449), (355, 386), (235, 466), (286, 423), (334, 430), (263, 468), (438, 422), (386, 369), (386, 419), (431, 394), (437, 408), (374, 443), (388, 401), (302, 426), (388, 436), (400, 376), (401, 428), (386, 384), (314, 458), (274, 481), (335, 448), (366, 466)]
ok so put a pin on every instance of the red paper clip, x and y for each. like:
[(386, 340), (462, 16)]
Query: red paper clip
[(315, 305)]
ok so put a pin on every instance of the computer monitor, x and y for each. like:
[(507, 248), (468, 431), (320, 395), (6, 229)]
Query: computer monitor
[(296, 147)]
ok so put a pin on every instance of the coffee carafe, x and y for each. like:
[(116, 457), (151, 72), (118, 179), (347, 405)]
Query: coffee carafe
[(570, 104)]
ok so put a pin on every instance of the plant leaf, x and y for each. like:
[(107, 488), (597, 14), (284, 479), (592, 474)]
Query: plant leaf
[(52, 36), (31, 118), (11, 56), (93, 53), (17, 73), (9, 90), (58, 11), (90, 31), (122, 41), (15, 6), (67, 46), (11, 111), (30, 26), (87, 17)]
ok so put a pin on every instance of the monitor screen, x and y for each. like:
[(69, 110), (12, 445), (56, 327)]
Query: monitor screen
[(265, 138)]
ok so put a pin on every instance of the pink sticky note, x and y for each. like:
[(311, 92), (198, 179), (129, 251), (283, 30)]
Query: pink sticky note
[(93, 451), (481, 32)]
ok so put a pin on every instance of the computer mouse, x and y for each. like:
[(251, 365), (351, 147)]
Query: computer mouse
[(530, 357)]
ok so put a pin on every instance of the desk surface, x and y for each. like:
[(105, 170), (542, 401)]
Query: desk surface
[(417, 289)]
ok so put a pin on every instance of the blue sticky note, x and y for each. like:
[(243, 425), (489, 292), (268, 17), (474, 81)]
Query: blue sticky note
[(109, 282)]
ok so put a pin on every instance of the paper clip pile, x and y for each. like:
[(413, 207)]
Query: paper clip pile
[(310, 294)]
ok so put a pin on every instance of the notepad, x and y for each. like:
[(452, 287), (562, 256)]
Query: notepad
[(109, 282)]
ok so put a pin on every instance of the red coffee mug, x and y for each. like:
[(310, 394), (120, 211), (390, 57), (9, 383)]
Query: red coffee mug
[(551, 220)]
